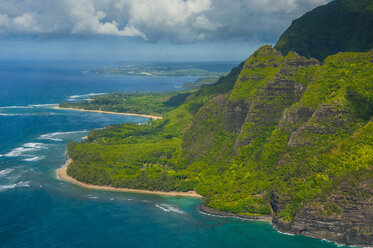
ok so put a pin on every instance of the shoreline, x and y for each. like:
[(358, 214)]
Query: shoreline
[(210, 211), (202, 209), (61, 174), (109, 112)]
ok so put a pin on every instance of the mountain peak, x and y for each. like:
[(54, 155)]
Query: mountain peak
[(340, 26)]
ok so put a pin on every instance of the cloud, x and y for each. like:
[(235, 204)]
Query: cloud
[(176, 21), (87, 19), (24, 23)]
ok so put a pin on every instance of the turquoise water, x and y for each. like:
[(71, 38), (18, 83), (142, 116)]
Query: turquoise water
[(37, 210)]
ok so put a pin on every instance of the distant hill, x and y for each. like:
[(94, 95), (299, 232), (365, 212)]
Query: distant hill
[(340, 26)]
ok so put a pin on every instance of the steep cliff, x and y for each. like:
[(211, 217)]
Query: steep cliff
[(291, 135)]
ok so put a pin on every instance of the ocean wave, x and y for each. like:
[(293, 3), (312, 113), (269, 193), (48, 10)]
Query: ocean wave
[(168, 208), (14, 107), (43, 105), (27, 147), (29, 106), (74, 97), (25, 114), (36, 158), (56, 136), (15, 185), (6, 171), (6, 114)]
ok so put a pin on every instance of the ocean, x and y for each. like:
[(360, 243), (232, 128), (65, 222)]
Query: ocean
[(38, 210)]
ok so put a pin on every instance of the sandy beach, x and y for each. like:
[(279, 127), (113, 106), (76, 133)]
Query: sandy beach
[(116, 113), (61, 174)]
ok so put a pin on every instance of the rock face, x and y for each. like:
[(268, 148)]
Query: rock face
[(345, 216)]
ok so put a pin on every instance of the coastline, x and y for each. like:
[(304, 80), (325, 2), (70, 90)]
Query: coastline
[(210, 211), (109, 112), (266, 218), (61, 174)]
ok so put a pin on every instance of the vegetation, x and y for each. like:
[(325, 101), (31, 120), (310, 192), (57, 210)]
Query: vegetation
[(274, 134), (200, 82), (143, 156), (139, 103), (340, 26)]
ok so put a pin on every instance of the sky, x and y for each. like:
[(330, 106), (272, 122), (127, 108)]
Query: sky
[(151, 30)]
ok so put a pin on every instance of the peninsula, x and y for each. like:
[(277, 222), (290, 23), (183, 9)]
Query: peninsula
[(110, 112), (61, 174)]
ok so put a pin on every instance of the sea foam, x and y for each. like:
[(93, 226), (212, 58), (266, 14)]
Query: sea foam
[(75, 97), (15, 107), (29, 106), (15, 185), (36, 158), (27, 147), (168, 208), (6, 114), (57, 135), (43, 105), (6, 171)]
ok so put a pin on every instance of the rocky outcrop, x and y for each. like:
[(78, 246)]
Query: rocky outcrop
[(279, 91), (204, 209), (344, 216), (235, 115)]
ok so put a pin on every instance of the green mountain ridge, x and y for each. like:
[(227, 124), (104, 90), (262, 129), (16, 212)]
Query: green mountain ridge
[(280, 135), (340, 26)]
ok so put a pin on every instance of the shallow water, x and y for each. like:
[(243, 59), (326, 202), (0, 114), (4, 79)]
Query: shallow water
[(37, 210)]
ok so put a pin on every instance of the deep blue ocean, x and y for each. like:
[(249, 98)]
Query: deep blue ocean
[(37, 210)]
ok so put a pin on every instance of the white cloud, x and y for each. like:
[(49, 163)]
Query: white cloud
[(4, 20), (87, 19), (27, 22), (178, 21), (23, 23)]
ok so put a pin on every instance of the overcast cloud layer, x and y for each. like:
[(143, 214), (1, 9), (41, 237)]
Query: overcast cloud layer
[(176, 21)]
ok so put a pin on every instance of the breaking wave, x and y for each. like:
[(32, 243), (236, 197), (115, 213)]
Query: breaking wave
[(15, 185), (6, 171), (14, 107), (75, 97), (57, 135), (43, 105), (36, 158), (168, 208), (27, 147), (5, 114), (29, 106)]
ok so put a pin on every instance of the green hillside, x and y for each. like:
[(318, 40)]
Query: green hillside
[(340, 26), (279, 135)]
